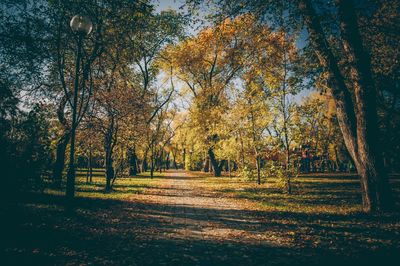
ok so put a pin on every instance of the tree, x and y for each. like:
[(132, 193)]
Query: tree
[(207, 64), (357, 116), (250, 118)]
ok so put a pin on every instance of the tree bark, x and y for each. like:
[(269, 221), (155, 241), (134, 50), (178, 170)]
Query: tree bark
[(374, 180), (108, 148), (206, 165), (109, 169), (229, 167), (58, 166), (133, 170), (90, 165), (357, 119), (62, 143), (174, 161), (258, 169), (167, 162), (214, 162)]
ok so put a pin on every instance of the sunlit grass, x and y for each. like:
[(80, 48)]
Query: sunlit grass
[(123, 188), (318, 194), (313, 194)]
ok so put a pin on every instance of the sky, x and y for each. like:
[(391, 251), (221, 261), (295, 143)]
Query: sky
[(168, 4)]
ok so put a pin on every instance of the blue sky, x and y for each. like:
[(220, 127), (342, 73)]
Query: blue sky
[(165, 4)]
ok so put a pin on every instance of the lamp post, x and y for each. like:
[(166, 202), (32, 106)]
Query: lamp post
[(82, 26)]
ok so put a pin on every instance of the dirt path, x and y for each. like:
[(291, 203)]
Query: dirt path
[(200, 213), (206, 228)]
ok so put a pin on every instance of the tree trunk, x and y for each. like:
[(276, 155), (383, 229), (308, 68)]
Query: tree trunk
[(229, 167), (108, 148), (374, 179), (184, 158), (90, 166), (89, 171), (144, 162), (152, 168), (357, 120), (152, 165), (206, 164), (174, 161), (288, 182), (214, 162), (144, 165), (138, 168), (62, 143), (167, 162), (258, 170), (161, 161), (133, 162), (109, 169), (58, 166)]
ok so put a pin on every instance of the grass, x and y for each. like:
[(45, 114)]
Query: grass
[(123, 188), (315, 193), (146, 221), (309, 195)]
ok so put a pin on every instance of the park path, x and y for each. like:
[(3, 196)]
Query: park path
[(199, 212), (189, 222)]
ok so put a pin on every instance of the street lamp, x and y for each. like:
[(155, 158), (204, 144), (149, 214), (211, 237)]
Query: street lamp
[(82, 26)]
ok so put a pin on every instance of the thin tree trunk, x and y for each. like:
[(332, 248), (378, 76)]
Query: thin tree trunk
[(87, 171), (206, 164), (161, 161), (90, 166), (229, 167), (133, 162), (58, 166), (184, 158), (258, 170), (167, 161), (108, 147), (138, 166), (152, 165), (174, 162), (144, 162), (109, 169), (62, 143)]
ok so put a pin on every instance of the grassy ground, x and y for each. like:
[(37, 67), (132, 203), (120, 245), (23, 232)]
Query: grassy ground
[(122, 189), (193, 219)]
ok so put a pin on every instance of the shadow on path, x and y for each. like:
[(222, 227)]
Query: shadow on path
[(176, 224)]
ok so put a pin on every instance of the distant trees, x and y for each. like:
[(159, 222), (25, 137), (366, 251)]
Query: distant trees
[(207, 65)]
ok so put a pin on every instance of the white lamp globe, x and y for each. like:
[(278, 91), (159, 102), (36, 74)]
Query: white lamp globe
[(81, 25)]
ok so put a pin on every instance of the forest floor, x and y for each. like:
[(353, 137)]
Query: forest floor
[(182, 218)]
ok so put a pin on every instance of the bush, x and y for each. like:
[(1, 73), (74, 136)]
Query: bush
[(282, 175), (248, 173)]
